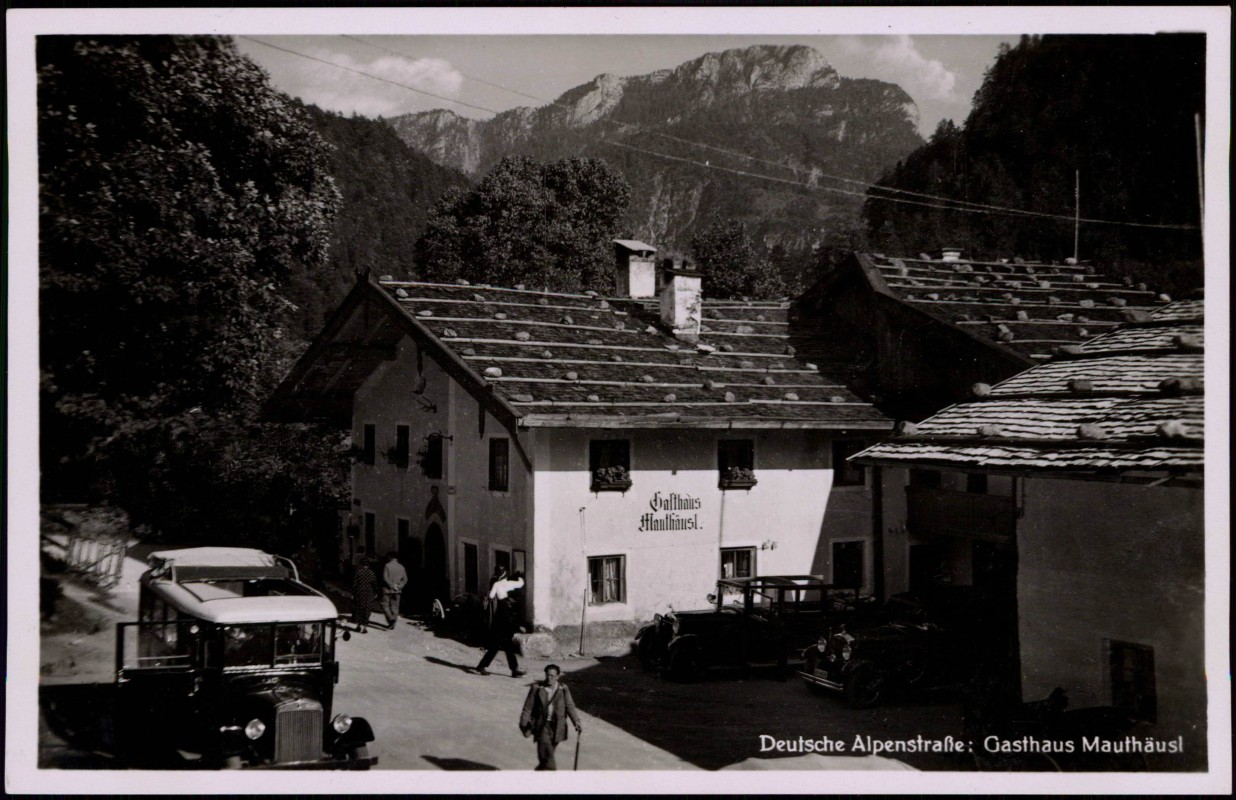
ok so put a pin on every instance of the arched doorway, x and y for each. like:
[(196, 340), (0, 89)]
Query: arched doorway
[(437, 578), (415, 599)]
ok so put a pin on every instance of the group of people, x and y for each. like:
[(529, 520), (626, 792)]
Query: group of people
[(549, 704), (368, 587)]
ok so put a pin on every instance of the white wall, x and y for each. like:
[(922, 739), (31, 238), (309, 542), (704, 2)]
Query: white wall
[(386, 400), (783, 516)]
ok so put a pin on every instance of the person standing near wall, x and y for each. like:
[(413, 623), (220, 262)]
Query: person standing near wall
[(544, 716), (364, 592), (394, 578)]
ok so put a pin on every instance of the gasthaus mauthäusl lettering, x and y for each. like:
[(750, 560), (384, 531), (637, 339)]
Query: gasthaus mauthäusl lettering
[(665, 517)]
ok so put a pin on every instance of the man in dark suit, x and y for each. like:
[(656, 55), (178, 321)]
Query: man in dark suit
[(545, 714)]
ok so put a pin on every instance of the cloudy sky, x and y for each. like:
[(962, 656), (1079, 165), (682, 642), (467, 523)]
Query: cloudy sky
[(476, 75)]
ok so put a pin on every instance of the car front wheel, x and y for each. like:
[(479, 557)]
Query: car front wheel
[(864, 687), (687, 664)]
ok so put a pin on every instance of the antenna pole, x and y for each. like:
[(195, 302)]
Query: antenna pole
[(1076, 210)]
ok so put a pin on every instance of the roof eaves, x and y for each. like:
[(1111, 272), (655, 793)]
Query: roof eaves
[(454, 363)]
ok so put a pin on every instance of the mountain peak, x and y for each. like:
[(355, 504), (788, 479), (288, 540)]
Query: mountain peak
[(760, 67)]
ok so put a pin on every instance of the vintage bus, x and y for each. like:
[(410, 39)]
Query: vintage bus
[(232, 664)]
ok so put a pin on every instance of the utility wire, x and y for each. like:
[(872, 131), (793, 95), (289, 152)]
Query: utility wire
[(958, 205), (803, 185), (815, 173), (366, 74)]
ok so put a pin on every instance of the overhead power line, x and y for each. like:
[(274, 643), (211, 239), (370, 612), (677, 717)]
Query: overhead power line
[(954, 204), (815, 173), (366, 74)]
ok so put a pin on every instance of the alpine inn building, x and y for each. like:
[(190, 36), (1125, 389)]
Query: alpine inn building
[(624, 452)]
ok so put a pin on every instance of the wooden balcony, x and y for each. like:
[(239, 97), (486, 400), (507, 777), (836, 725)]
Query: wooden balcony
[(967, 514)]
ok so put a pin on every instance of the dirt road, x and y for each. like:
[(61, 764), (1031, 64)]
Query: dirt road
[(429, 711)]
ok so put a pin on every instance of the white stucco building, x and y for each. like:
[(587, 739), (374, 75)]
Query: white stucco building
[(623, 452)]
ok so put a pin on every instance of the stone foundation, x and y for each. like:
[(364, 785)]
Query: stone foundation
[(600, 639)]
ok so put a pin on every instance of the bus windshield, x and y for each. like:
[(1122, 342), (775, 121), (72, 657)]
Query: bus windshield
[(273, 645)]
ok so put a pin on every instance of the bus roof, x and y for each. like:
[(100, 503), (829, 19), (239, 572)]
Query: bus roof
[(212, 602), (233, 585), (213, 557)]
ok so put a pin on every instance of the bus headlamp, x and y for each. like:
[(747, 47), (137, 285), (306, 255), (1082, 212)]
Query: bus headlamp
[(255, 729), (342, 723)]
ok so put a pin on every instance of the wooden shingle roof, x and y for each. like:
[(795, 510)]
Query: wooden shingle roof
[(1131, 399), (585, 360), (1029, 309)]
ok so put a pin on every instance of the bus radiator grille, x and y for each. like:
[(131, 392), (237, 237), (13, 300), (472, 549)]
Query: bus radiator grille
[(298, 732)]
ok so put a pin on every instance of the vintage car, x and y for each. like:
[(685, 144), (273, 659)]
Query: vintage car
[(761, 622), (909, 643), (232, 664)]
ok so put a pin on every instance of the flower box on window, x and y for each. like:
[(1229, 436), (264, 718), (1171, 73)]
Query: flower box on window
[(738, 478), (611, 479)]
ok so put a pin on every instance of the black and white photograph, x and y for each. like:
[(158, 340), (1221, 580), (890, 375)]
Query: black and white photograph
[(816, 396)]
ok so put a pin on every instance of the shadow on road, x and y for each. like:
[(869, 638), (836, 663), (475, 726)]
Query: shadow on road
[(444, 663), (457, 764), (79, 715), (718, 722)]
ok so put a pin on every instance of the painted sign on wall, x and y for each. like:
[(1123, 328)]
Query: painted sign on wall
[(671, 512)]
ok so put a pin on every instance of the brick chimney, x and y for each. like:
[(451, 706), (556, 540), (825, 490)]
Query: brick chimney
[(681, 298), (635, 268)]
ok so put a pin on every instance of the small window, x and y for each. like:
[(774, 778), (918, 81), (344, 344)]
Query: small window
[(846, 473), (609, 463), (431, 458), (925, 478), (976, 482), (369, 449), (848, 564), (1132, 678), (499, 465), (371, 533), (399, 455), (607, 580), (738, 562), (736, 463)]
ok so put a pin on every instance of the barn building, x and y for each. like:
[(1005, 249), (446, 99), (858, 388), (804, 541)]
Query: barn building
[(1073, 491), (932, 327), (624, 452)]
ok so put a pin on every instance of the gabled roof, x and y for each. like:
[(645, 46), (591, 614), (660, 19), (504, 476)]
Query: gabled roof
[(1129, 400), (1027, 309), (548, 359)]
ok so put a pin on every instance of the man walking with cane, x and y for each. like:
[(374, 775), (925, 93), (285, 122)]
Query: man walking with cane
[(544, 717)]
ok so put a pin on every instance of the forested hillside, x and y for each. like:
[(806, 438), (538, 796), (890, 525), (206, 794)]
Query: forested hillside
[(386, 192), (1117, 109)]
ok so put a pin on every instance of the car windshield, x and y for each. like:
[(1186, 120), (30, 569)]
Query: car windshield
[(272, 645)]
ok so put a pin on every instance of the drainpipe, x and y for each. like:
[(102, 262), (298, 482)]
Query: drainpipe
[(583, 546), (877, 531)]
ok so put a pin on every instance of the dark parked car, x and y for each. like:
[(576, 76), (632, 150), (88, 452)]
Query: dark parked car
[(232, 664), (754, 623), (910, 643)]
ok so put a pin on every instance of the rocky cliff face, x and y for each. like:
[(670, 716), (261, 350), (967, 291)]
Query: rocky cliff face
[(685, 137)]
